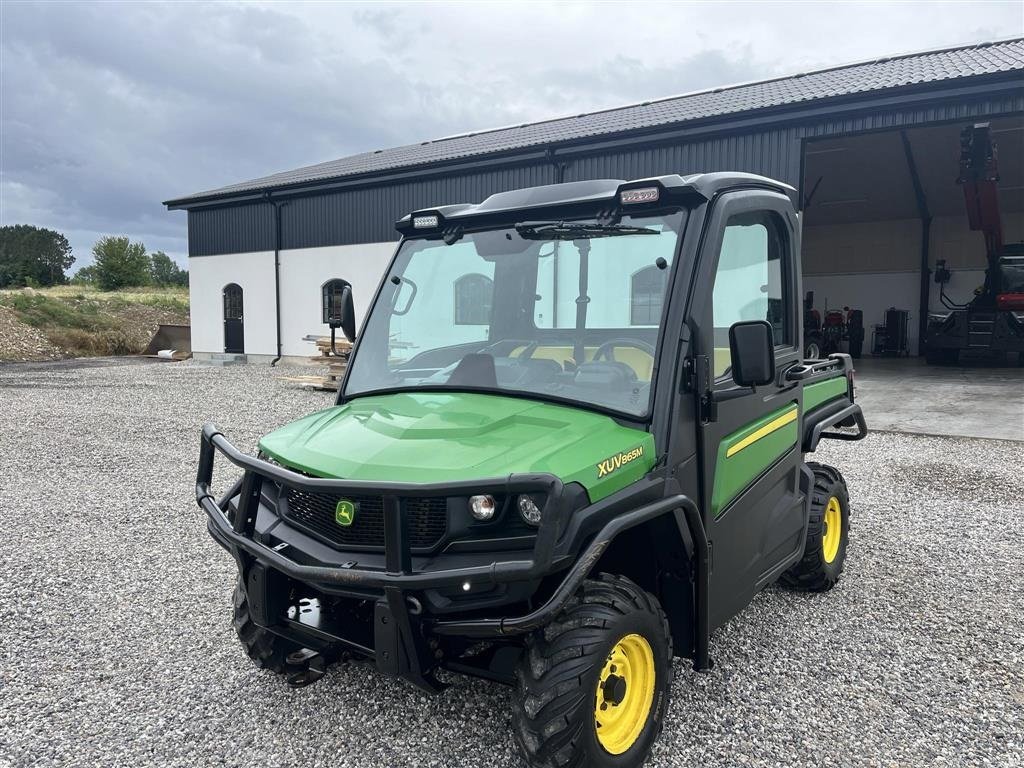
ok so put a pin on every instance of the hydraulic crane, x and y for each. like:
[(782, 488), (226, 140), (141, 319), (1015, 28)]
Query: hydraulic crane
[(992, 323)]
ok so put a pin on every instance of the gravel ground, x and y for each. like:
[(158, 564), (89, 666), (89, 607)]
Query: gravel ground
[(116, 646), (20, 341)]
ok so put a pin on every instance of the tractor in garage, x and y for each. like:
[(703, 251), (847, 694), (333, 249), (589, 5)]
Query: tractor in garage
[(823, 338), (991, 325), (562, 476)]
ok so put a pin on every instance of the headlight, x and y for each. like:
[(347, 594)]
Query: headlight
[(482, 507), (529, 510)]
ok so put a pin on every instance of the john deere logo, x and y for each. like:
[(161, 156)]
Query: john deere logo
[(345, 512)]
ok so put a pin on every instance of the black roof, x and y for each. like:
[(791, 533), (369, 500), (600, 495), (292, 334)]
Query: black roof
[(699, 185), (1005, 56)]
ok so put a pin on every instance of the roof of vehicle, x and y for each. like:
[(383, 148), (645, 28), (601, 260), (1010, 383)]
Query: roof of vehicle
[(697, 186), (884, 74)]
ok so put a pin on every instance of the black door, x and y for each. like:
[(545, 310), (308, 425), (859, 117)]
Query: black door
[(749, 440), (234, 330)]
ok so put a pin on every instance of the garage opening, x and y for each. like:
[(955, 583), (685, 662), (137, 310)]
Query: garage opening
[(881, 210)]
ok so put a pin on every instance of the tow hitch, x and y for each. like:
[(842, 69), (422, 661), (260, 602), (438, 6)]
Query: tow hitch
[(304, 667)]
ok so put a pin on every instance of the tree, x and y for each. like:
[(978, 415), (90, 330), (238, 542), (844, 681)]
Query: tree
[(165, 272), (120, 263), (85, 275), (33, 255)]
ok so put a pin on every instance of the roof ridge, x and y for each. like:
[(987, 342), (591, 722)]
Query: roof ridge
[(968, 60), (720, 88)]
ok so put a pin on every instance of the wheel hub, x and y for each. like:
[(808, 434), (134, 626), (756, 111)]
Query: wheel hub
[(614, 690), (625, 694)]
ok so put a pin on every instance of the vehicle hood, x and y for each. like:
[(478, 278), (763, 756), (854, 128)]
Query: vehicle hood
[(427, 437)]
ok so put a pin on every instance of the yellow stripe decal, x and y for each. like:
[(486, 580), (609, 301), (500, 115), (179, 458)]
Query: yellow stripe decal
[(767, 429)]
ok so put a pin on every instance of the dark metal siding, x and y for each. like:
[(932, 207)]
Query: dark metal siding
[(233, 229), (774, 153), (368, 214)]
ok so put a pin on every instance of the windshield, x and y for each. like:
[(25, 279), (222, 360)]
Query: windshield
[(1012, 269), (562, 310)]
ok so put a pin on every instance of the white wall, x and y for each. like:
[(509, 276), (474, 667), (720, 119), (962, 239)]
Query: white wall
[(303, 273), (208, 275)]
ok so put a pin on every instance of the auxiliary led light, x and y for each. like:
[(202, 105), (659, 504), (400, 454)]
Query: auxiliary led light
[(641, 195), (529, 510), (424, 222), (482, 507)]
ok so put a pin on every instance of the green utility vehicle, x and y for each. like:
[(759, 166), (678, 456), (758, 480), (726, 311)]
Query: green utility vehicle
[(569, 445)]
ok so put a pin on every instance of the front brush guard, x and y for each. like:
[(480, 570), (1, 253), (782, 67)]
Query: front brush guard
[(399, 649)]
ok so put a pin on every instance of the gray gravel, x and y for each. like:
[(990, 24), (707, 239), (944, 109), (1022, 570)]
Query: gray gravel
[(116, 646)]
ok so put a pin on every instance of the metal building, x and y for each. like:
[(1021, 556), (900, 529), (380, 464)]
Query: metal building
[(873, 148)]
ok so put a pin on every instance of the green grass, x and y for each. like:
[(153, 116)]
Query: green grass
[(85, 321), (43, 311), (170, 299)]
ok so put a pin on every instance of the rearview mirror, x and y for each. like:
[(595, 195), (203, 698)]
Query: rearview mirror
[(752, 346)]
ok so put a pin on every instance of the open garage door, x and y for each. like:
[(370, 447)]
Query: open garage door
[(880, 210)]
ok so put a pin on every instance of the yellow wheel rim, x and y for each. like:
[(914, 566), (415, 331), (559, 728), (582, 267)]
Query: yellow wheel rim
[(625, 693), (833, 532)]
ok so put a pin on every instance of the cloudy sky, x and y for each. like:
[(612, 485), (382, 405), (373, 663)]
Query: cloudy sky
[(108, 108)]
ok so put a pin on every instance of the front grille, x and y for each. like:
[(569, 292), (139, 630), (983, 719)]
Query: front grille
[(426, 518)]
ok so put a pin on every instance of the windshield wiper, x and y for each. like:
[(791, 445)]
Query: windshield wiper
[(576, 230)]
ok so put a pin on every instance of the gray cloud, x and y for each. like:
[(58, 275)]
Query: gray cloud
[(107, 109)]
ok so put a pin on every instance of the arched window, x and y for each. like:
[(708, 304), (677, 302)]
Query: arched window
[(473, 296), (232, 301), (331, 294), (647, 293)]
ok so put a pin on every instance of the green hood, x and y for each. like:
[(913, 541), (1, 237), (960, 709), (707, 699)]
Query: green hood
[(428, 437)]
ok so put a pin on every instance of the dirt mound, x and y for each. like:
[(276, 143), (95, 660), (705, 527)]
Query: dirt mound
[(20, 341), (67, 321)]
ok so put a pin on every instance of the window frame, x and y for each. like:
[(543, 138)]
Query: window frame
[(674, 306), (230, 293), (787, 230)]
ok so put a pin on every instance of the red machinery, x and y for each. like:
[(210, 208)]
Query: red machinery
[(989, 322)]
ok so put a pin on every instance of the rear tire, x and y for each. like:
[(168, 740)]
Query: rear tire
[(267, 650), (825, 547), (607, 655)]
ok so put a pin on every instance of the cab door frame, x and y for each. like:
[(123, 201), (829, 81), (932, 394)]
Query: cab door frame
[(752, 477)]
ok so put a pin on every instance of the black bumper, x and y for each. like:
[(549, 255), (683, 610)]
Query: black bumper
[(399, 647)]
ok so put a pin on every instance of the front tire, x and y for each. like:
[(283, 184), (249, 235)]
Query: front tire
[(593, 686), (267, 650), (828, 532)]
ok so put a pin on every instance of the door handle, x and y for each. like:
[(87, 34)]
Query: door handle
[(724, 395)]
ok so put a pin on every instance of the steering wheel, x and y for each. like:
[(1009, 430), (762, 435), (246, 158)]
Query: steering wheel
[(607, 350)]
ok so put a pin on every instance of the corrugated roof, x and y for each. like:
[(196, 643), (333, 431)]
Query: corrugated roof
[(848, 80)]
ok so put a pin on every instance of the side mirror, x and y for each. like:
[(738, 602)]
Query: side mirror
[(752, 346), (346, 317)]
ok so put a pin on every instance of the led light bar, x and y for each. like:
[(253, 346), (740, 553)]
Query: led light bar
[(424, 222), (639, 195)]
